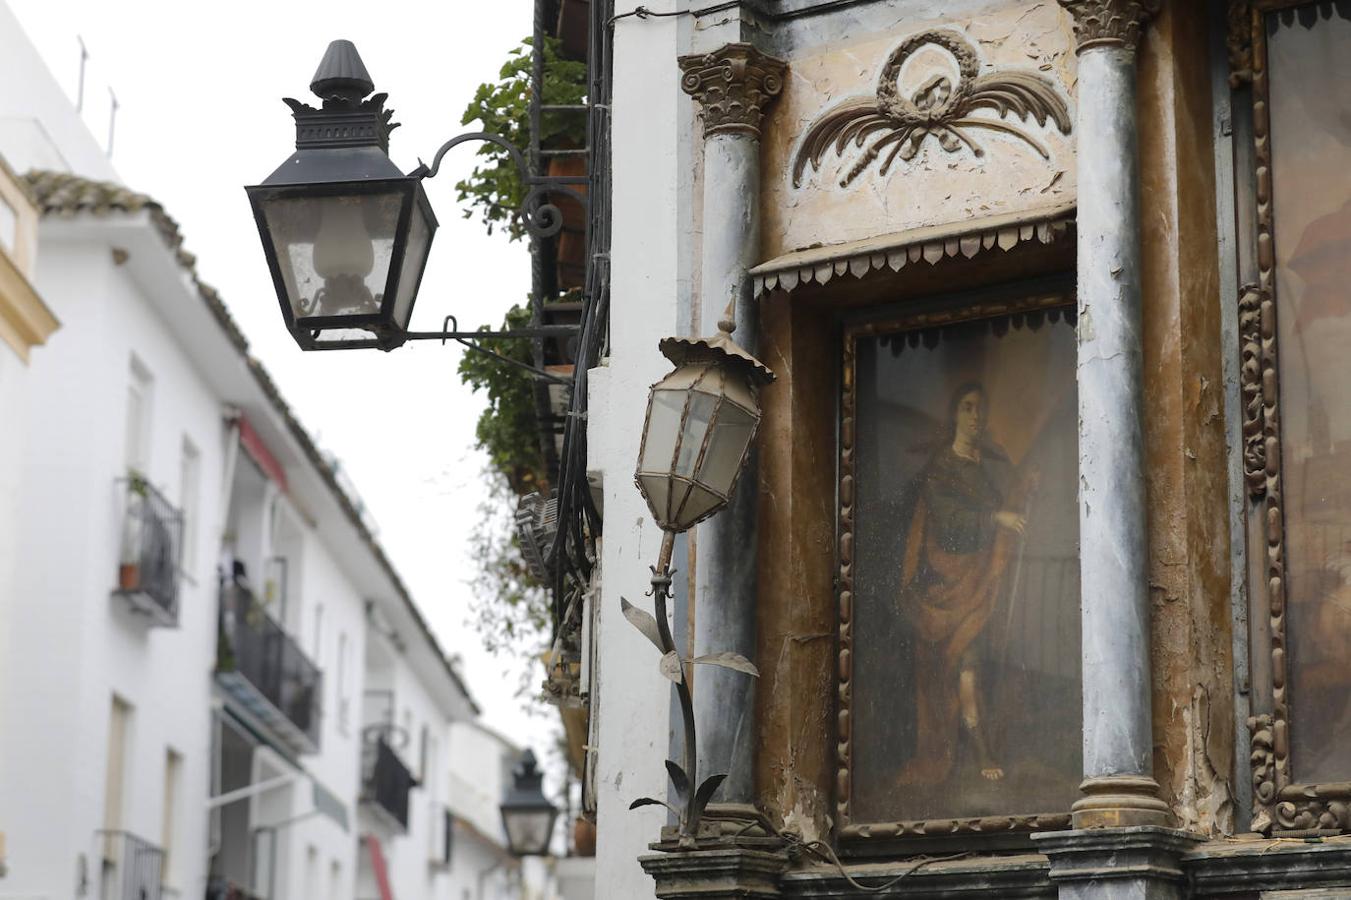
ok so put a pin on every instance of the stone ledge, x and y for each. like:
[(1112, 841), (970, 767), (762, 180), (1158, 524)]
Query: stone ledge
[(1012, 877), (1096, 855), (725, 873), (1272, 867)]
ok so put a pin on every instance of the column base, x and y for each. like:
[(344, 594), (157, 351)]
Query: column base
[(1141, 863), (716, 872), (1119, 801)]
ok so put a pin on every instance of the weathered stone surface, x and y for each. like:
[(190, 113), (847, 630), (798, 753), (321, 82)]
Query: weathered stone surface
[(1143, 863), (728, 873)]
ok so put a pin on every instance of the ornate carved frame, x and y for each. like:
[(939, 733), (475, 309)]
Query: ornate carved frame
[(1280, 803), (876, 838)]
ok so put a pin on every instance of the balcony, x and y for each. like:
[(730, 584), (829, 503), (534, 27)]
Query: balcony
[(132, 868), (385, 782), (261, 667), (147, 571)]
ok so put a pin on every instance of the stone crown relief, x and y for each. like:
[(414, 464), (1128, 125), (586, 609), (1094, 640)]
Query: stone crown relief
[(899, 124)]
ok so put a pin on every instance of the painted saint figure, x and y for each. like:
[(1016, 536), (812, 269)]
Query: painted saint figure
[(964, 537)]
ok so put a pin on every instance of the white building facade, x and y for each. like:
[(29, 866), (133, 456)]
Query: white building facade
[(212, 681)]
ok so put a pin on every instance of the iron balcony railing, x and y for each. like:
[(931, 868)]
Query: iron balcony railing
[(386, 781), (148, 560), (133, 868), (263, 668)]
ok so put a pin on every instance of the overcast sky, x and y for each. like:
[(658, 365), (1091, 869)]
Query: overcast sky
[(200, 87)]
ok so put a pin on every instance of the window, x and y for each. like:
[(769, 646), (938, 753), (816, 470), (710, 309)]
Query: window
[(140, 387), (1297, 419), (340, 684), (318, 644), (425, 751), (189, 488), (115, 774), (173, 776)]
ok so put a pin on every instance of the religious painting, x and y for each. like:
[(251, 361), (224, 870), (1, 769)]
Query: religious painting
[(959, 570), (1296, 324)]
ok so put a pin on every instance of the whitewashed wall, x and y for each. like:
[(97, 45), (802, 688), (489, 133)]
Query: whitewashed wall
[(69, 647)]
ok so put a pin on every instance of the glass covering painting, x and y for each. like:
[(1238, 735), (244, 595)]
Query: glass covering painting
[(965, 687), (1309, 66)]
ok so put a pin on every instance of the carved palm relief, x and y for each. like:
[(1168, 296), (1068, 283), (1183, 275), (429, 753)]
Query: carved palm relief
[(898, 121)]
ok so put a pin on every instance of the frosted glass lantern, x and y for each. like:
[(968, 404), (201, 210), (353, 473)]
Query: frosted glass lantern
[(701, 419)]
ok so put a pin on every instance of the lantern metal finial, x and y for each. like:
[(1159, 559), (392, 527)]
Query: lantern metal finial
[(341, 74), (727, 324)]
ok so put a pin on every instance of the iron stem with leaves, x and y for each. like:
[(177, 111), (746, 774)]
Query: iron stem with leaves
[(673, 667)]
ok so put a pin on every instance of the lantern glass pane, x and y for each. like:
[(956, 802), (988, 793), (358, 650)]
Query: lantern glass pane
[(663, 429), (334, 252), (657, 490), (698, 503), (414, 260), (528, 830), (701, 407), (726, 447)]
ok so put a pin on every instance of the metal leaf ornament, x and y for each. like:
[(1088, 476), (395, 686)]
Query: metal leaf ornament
[(898, 125)]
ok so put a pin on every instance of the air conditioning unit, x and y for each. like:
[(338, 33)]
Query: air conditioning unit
[(536, 526)]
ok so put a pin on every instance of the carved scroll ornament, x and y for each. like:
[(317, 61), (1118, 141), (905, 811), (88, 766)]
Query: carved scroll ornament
[(937, 108), (1255, 325), (734, 87), (1110, 23)]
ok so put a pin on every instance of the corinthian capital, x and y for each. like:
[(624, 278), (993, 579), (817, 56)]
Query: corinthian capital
[(734, 87), (1110, 23)]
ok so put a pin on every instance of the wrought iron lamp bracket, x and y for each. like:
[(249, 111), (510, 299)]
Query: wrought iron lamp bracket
[(541, 219)]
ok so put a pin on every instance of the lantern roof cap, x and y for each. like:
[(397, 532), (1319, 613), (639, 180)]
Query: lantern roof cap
[(719, 347), (341, 73)]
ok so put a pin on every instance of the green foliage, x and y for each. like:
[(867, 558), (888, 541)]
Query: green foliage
[(508, 430), (510, 609), (494, 188)]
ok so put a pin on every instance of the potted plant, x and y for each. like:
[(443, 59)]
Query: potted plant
[(133, 533)]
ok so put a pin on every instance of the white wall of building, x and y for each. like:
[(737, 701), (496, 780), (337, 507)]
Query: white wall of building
[(70, 647), (650, 255)]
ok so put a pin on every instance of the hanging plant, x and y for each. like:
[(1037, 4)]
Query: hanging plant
[(494, 189)]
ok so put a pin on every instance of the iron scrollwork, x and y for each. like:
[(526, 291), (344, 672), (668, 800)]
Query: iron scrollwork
[(939, 108)]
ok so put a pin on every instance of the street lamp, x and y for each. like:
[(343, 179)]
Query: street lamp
[(527, 815), (701, 420), (345, 232), (347, 235)]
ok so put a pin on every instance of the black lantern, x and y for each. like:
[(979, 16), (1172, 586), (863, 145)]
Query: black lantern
[(345, 232), (527, 815), (701, 420)]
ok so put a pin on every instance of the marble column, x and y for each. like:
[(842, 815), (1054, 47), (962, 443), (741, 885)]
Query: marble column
[(733, 87), (1119, 788)]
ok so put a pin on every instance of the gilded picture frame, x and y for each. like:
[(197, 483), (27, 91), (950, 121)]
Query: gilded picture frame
[(859, 830), (1283, 803)]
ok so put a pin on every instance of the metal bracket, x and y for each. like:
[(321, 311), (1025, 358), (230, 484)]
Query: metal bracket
[(450, 332)]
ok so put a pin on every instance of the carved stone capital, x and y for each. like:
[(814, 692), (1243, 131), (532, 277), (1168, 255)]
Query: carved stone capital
[(734, 87), (1110, 23)]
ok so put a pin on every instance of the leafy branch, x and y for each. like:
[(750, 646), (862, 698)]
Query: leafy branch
[(494, 188)]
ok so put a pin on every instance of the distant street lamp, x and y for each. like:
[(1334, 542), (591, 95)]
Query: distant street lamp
[(701, 420), (347, 235), (527, 815)]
